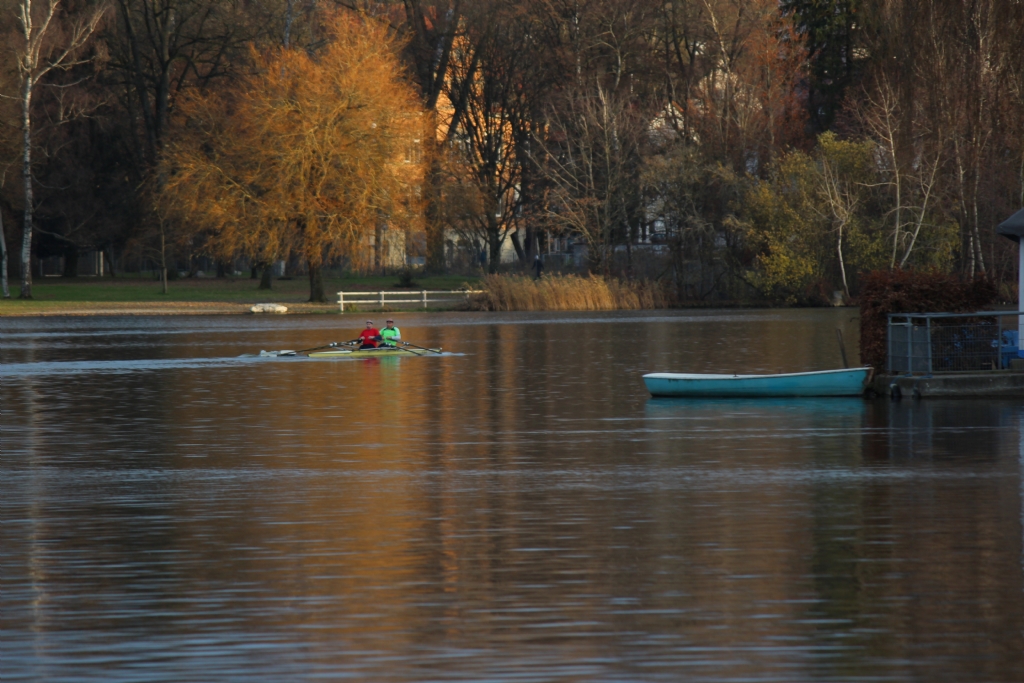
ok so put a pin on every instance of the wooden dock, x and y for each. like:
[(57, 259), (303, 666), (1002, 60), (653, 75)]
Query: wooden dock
[(991, 384)]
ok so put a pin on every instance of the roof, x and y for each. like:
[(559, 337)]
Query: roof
[(1012, 227)]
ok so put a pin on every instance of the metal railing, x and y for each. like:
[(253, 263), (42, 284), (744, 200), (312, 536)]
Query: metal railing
[(948, 342), (382, 299)]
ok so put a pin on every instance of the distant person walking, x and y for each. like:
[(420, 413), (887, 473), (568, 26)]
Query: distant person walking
[(538, 267)]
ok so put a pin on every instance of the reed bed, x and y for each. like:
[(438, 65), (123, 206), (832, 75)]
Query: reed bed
[(568, 293)]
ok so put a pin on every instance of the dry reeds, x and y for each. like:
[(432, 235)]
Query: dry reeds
[(568, 293)]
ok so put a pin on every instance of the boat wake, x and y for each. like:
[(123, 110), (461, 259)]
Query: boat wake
[(115, 367)]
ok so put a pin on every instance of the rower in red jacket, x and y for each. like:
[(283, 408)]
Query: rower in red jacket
[(369, 337)]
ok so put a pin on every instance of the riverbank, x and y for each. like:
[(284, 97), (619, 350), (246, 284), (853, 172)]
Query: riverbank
[(193, 296), (237, 295), (73, 308)]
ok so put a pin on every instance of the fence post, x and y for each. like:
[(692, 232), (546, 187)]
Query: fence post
[(424, 299), (910, 346), (382, 300), (889, 343), (999, 344), (929, 332), (341, 301), (1020, 299)]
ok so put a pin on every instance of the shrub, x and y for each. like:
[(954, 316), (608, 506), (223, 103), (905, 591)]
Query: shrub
[(909, 291), (405, 279), (568, 293)]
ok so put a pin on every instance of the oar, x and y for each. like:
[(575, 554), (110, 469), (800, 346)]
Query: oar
[(317, 348), (421, 347), (409, 349)]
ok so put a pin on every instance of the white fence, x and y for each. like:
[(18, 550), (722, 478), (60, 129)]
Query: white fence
[(424, 297)]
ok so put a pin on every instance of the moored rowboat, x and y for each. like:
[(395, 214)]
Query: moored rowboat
[(846, 382)]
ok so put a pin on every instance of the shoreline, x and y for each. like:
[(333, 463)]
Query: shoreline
[(131, 295), (37, 309), (98, 308)]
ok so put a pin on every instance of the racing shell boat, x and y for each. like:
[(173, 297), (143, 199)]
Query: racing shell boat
[(351, 350)]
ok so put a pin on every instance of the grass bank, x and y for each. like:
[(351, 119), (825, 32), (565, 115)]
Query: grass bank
[(568, 293), (128, 295)]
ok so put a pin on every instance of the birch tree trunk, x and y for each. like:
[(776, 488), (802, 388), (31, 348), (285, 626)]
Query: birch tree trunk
[(26, 261), (927, 184), (27, 81), (33, 63), (842, 263)]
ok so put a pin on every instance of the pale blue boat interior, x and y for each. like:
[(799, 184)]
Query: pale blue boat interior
[(844, 382)]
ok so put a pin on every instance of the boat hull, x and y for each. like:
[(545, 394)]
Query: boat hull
[(846, 382), (373, 353)]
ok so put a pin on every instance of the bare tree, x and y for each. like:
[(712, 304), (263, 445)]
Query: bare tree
[(433, 30), (492, 141), (731, 69), (939, 99), (37, 57), (840, 201), (970, 45), (161, 48), (593, 163)]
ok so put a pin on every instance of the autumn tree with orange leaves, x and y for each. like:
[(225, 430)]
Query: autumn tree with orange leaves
[(310, 154)]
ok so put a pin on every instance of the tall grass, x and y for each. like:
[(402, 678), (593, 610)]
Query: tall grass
[(568, 293)]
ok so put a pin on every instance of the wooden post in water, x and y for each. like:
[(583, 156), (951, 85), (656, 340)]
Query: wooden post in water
[(842, 347)]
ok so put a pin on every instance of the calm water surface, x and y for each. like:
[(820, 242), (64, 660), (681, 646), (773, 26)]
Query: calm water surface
[(518, 511)]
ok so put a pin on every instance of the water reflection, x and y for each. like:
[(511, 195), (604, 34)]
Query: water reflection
[(520, 512)]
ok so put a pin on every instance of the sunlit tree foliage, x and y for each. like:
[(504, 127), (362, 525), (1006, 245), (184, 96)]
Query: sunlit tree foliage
[(310, 154)]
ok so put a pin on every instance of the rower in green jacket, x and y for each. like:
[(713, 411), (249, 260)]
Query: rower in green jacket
[(390, 334)]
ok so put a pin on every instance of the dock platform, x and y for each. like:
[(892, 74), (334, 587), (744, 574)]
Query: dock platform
[(985, 384)]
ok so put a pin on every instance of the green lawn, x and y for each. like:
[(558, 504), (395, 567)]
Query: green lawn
[(51, 293), (234, 289)]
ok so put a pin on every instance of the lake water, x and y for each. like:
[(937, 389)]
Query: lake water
[(520, 510)]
